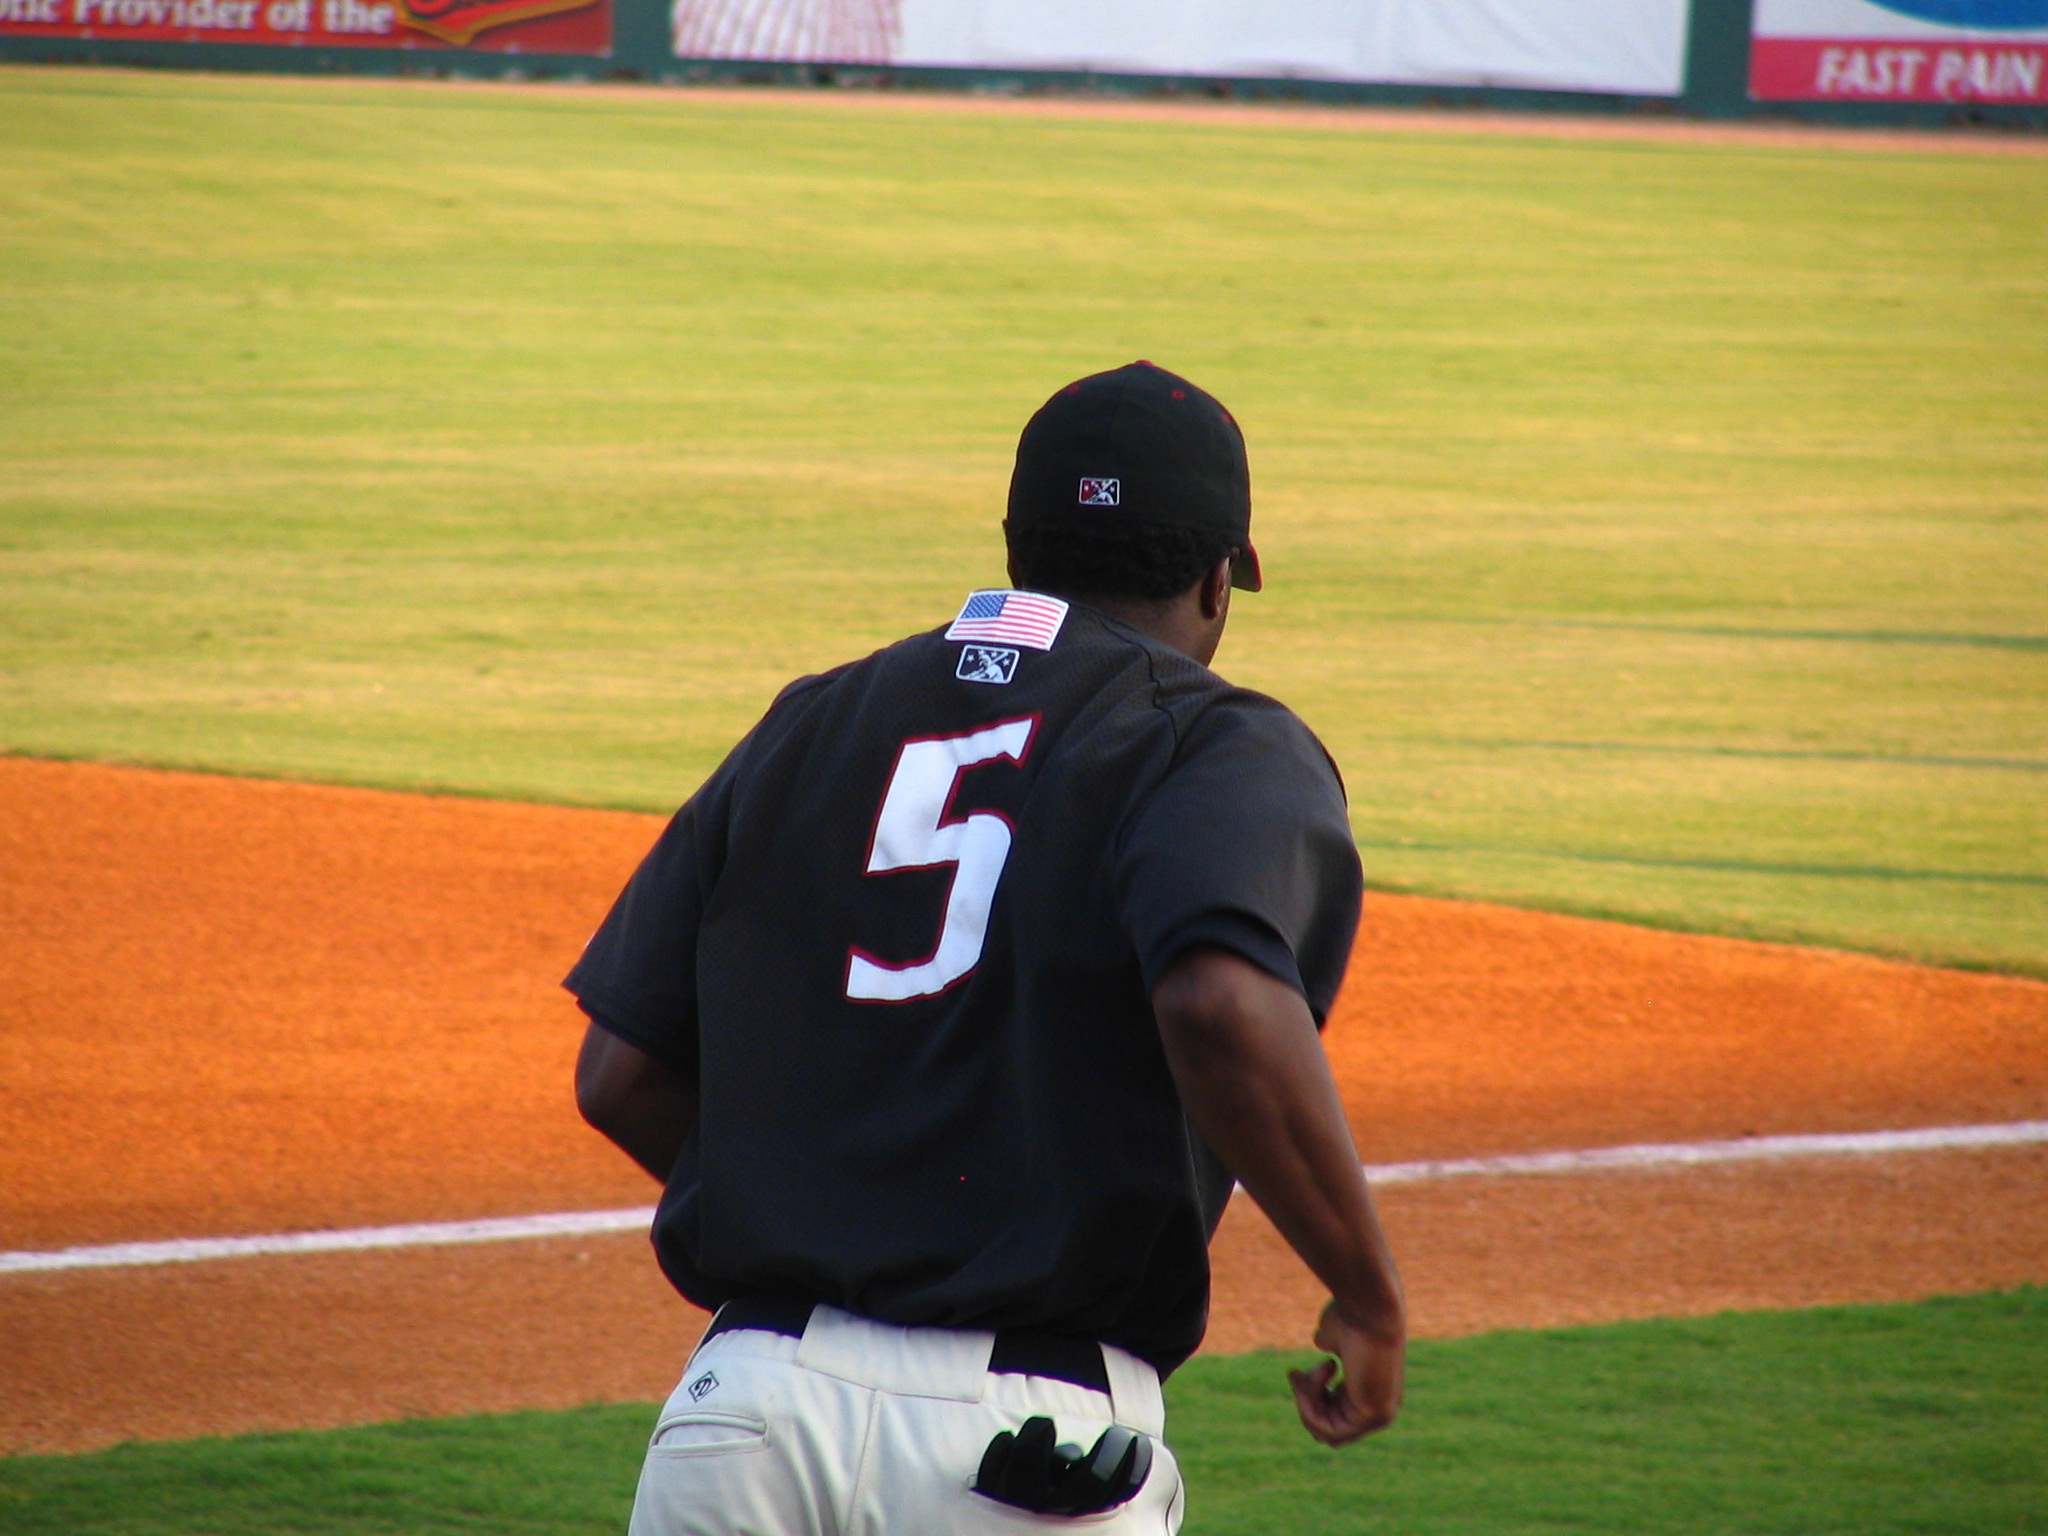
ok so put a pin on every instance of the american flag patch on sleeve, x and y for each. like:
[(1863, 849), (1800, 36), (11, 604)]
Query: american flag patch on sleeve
[(1010, 618)]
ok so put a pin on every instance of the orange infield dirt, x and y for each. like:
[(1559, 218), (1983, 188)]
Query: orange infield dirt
[(234, 1006)]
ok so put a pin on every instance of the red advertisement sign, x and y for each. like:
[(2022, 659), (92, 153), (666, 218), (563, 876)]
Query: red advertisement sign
[(1990, 52), (497, 26), (1865, 69)]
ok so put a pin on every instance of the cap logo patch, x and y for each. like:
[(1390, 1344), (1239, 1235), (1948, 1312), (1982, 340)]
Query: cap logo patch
[(1098, 493)]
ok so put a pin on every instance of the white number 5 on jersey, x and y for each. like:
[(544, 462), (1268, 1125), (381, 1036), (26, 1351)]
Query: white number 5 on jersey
[(912, 832)]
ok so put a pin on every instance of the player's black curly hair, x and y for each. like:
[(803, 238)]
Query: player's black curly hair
[(1100, 558)]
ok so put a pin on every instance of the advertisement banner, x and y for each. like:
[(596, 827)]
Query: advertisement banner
[(494, 26), (1993, 52), (1629, 47)]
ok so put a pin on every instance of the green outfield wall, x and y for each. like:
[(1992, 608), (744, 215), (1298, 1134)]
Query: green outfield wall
[(630, 40)]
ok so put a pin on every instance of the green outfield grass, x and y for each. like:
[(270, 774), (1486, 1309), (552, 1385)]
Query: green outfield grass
[(1865, 1421), (1658, 530)]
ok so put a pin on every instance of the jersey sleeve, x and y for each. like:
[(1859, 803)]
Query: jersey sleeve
[(638, 975), (1245, 844)]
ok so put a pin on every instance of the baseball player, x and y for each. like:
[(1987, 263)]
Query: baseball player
[(949, 1009)]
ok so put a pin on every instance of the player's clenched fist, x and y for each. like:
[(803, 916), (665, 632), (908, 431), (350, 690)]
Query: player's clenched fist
[(1338, 1409)]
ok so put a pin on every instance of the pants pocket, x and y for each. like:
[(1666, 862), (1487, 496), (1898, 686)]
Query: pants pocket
[(699, 1433)]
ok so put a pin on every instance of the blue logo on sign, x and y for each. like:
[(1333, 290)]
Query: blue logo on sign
[(1974, 13)]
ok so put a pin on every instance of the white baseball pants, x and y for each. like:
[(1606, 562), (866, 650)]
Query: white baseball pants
[(861, 1428)]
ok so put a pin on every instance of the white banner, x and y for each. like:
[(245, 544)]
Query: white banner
[(1631, 47), (1993, 51)]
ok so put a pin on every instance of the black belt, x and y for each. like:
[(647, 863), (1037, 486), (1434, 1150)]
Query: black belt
[(1018, 1351)]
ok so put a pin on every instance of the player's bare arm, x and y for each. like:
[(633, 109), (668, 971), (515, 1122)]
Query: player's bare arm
[(1254, 1080), (644, 1108)]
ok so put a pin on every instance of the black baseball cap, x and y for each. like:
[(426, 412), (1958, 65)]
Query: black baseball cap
[(1140, 443)]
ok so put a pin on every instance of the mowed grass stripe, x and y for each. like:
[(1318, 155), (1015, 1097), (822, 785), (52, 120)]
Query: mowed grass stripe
[(1882, 759), (525, 443), (1847, 637), (1900, 1419), (1739, 866)]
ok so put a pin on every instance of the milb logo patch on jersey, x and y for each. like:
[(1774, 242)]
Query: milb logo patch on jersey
[(986, 664)]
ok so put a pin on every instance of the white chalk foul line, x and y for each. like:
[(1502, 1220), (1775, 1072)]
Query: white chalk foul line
[(191, 1250), (1680, 1154), (637, 1218)]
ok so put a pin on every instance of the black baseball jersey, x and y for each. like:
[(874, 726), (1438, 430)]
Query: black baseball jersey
[(904, 940)]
